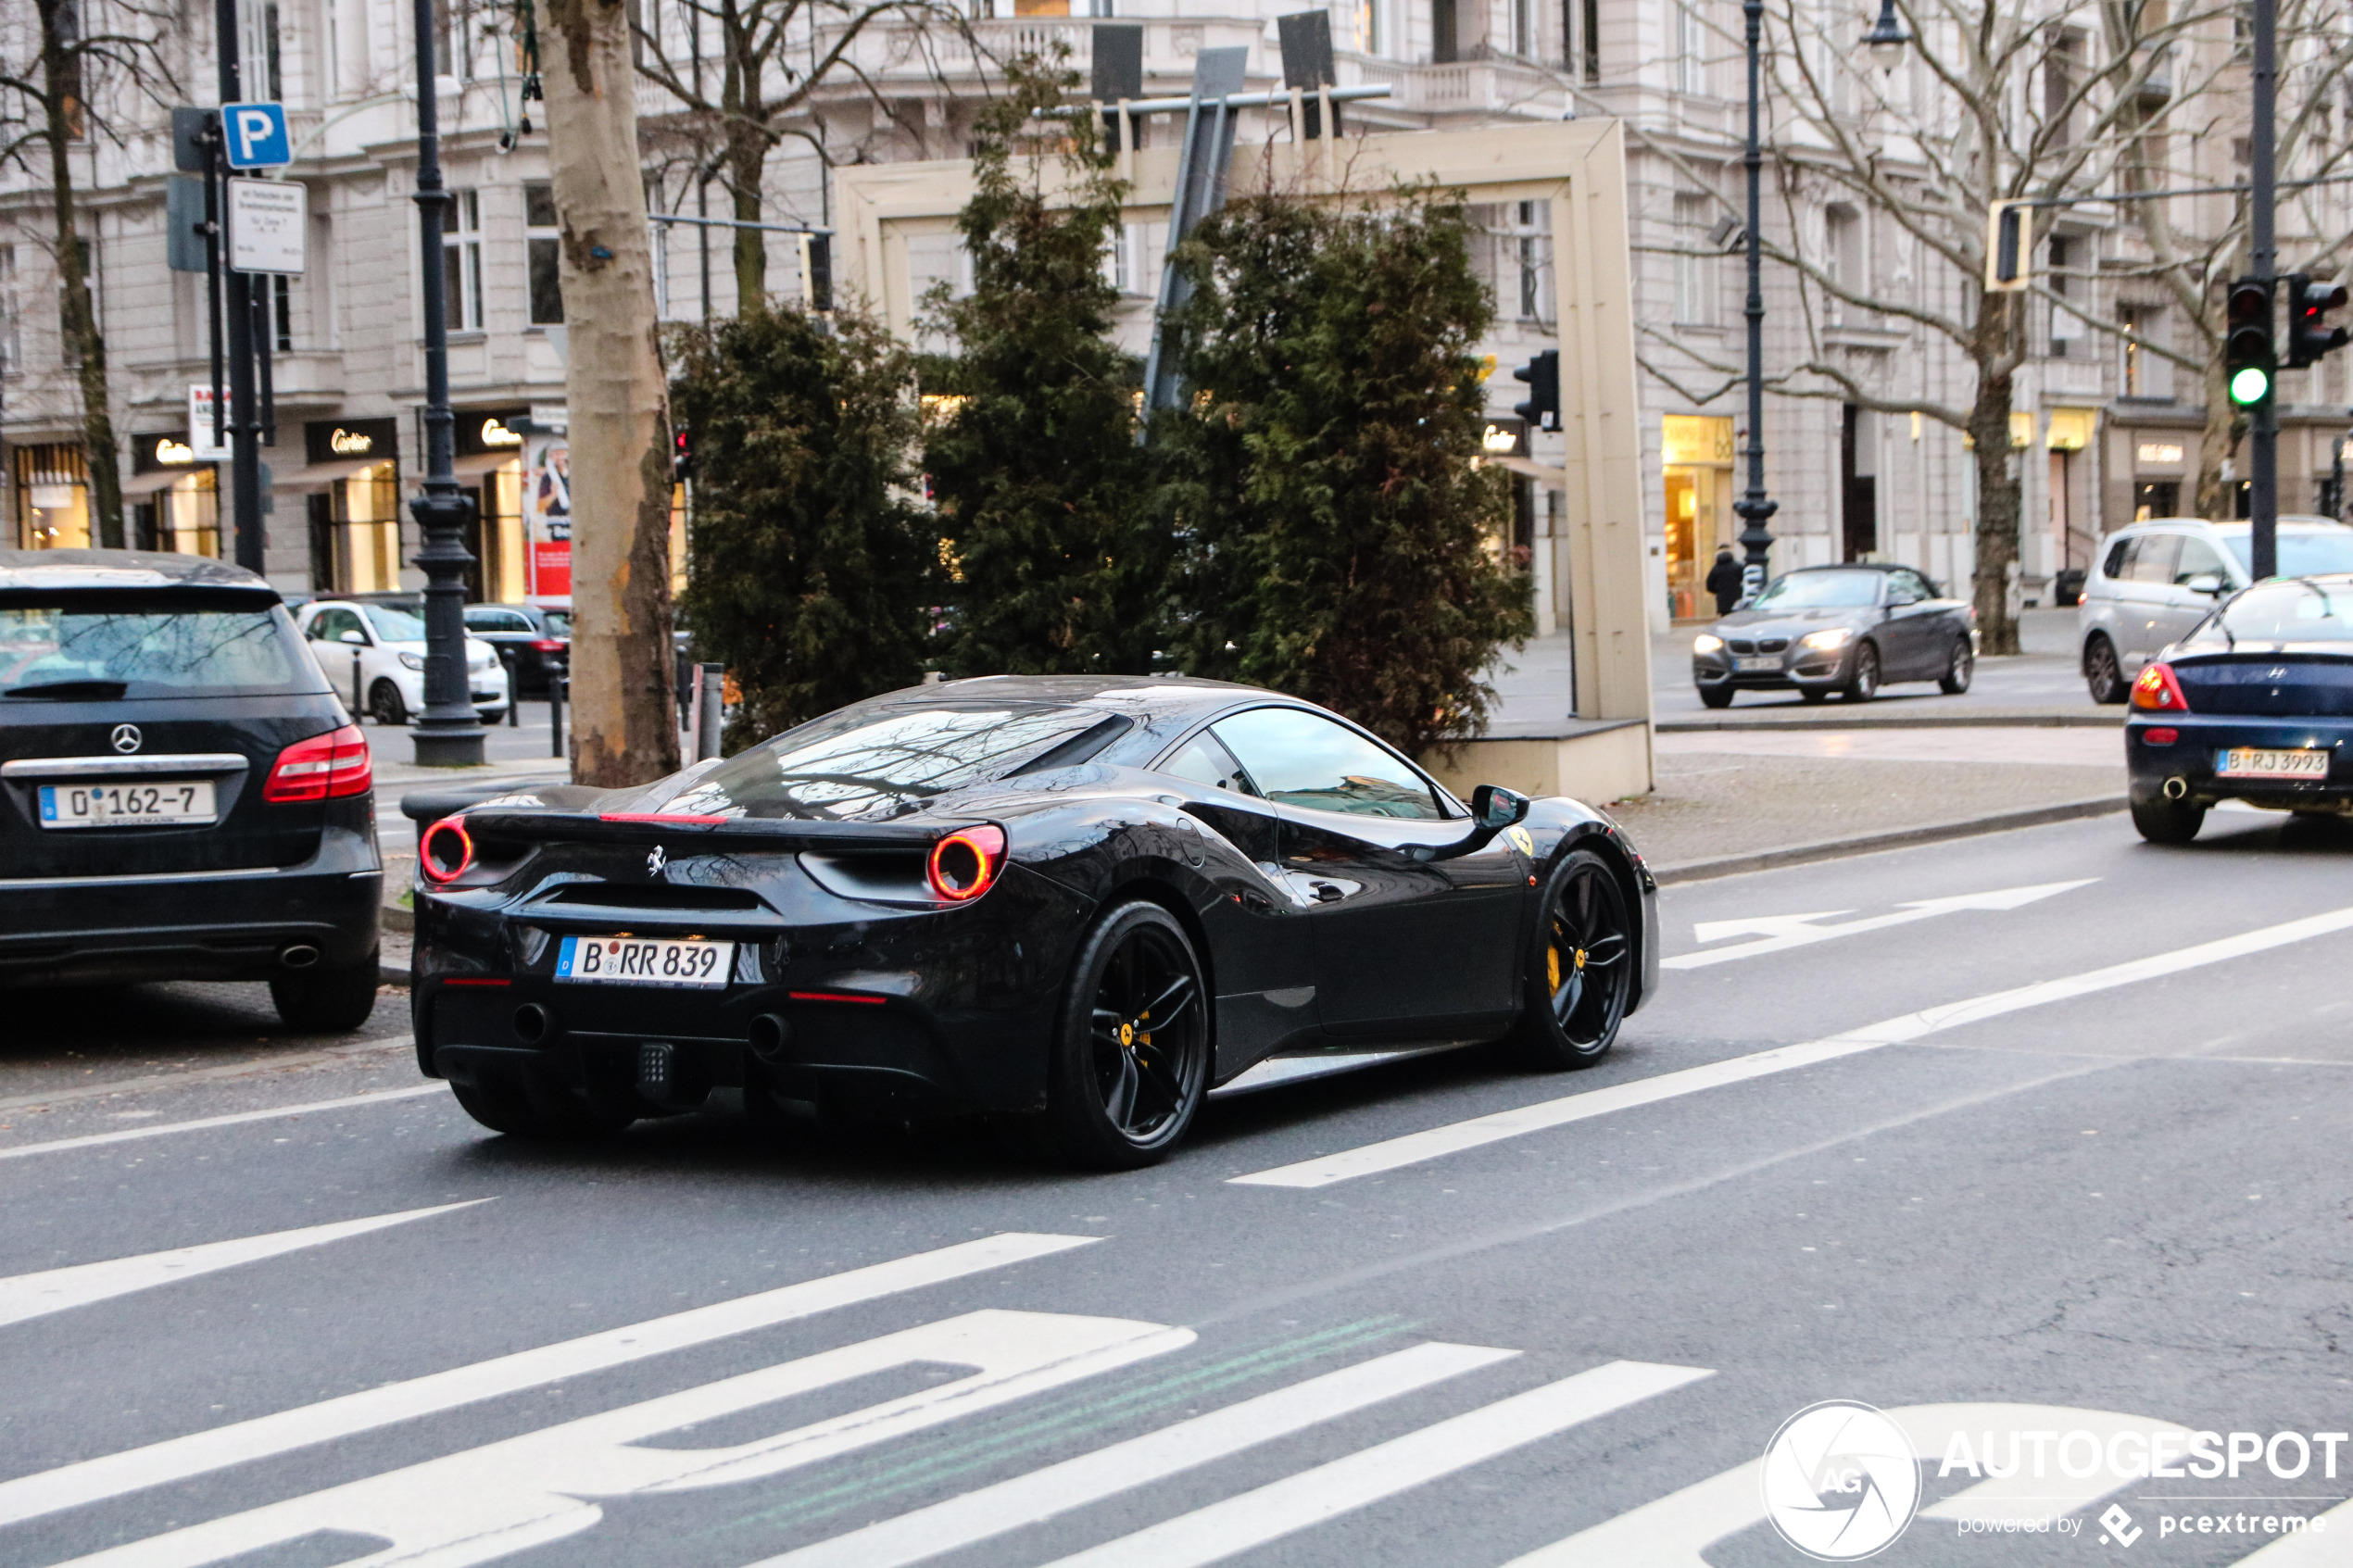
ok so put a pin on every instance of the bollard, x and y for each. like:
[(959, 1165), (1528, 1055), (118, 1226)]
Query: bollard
[(508, 657), (356, 709), (711, 686), (557, 682)]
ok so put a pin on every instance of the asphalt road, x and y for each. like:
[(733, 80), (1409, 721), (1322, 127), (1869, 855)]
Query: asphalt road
[(2107, 1198)]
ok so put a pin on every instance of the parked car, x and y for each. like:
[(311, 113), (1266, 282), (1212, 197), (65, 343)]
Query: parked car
[(388, 680), (534, 642), (2255, 704), (1075, 904), (181, 795), (1845, 629), (2154, 580)]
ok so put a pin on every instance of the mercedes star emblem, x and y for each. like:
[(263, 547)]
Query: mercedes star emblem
[(656, 861), (127, 738)]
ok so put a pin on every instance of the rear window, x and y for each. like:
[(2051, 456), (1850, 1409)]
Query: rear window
[(559, 622), (99, 647), (863, 763), (2300, 555), (2284, 612)]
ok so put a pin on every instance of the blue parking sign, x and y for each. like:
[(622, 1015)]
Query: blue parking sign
[(255, 135)]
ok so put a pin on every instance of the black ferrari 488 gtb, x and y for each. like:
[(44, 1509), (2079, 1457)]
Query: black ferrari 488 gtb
[(1076, 905)]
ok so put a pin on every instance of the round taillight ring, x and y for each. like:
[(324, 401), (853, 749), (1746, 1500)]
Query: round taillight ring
[(965, 864), (446, 850)]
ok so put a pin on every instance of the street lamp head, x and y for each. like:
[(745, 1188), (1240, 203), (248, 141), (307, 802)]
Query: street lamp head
[(1887, 38)]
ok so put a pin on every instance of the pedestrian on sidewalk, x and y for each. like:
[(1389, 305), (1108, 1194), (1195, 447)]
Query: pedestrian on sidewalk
[(1724, 579)]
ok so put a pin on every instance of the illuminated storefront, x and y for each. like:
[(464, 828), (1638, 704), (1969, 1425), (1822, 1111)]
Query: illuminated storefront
[(171, 501), (489, 465), (1696, 458), (353, 485), (52, 493)]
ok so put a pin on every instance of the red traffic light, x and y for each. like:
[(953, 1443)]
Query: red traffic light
[(2310, 335)]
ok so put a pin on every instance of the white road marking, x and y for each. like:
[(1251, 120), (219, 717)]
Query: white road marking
[(1777, 934), (202, 1123), (176, 1459), (1414, 1147), (1677, 1529), (1280, 1508), (55, 1290), (502, 1498), (1042, 1494), (255, 1068)]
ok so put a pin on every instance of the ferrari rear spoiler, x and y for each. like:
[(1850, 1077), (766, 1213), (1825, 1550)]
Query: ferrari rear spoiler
[(789, 833)]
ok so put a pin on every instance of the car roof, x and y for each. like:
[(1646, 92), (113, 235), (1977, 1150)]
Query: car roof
[(1853, 566), (123, 569), (2301, 523), (1112, 694)]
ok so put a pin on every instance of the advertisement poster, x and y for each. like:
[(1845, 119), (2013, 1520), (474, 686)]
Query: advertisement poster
[(547, 514)]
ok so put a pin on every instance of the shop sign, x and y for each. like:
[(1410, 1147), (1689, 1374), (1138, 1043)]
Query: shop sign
[(1504, 438), (165, 449), (349, 441), (1695, 438), (2158, 452), (483, 431)]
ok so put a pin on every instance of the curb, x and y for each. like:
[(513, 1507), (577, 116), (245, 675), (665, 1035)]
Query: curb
[(1923, 722), (1871, 843)]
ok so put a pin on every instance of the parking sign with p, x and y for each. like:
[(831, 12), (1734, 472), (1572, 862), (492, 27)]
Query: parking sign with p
[(256, 135)]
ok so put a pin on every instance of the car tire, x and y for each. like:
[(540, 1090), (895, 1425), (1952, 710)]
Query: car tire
[(2102, 673), (384, 705), (2168, 821), (491, 720), (1119, 1098), (327, 1001), (1958, 671), (1717, 696), (1814, 693), (1862, 684), (506, 1105), (1585, 929)]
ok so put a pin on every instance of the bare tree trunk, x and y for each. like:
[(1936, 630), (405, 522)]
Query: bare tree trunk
[(625, 714), (2224, 425), (747, 161), (79, 316), (1997, 486)]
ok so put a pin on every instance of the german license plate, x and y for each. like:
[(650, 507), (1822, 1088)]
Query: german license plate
[(162, 802), (639, 960), (1757, 661), (2248, 762)]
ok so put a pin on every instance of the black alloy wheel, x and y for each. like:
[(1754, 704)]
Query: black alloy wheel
[(2101, 671), (1955, 679), (1717, 696), (1131, 1058), (1863, 684), (1581, 970), (384, 705)]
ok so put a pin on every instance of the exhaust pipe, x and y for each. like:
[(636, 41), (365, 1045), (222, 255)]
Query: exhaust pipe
[(2176, 787), (770, 1037), (532, 1024), (297, 954)]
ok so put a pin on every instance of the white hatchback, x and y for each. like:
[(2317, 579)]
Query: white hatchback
[(374, 655)]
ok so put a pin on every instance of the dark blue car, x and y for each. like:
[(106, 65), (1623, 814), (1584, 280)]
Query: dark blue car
[(2255, 704)]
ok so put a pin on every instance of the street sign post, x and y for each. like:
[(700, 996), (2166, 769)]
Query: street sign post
[(254, 135), (268, 222)]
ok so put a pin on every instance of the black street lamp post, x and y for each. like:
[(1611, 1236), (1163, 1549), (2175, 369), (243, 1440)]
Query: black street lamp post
[(447, 734), (1754, 505)]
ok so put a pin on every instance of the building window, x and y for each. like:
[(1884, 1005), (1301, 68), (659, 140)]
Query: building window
[(1590, 34), (544, 245), (1523, 22), (1843, 262), (1372, 31), (260, 63), (461, 262), (11, 315), (1694, 263), (1523, 256), (282, 314), (2132, 369), (1691, 48)]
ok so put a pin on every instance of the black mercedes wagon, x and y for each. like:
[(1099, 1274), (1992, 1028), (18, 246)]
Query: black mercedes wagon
[(185, 795)]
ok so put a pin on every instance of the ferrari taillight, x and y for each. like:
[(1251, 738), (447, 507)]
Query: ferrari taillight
[(325, 767), (446, 850), (964, 864), (2158, 692)]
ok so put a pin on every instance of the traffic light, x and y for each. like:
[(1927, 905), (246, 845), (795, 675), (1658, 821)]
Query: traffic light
[(682, 456), (2250, 359), (2310, 335), (1542, 374)]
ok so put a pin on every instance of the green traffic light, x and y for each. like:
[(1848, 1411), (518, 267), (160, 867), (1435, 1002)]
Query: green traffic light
[(2250, 385)]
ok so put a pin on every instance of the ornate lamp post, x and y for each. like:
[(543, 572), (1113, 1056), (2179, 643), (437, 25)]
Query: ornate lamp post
[(447, 734), (1754, 505)]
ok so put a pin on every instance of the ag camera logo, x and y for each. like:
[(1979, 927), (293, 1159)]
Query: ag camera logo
[(1840, 1480)]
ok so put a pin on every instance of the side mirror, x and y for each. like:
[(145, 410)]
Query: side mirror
[(1493, 808), (2210, 583), (355, 639)]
